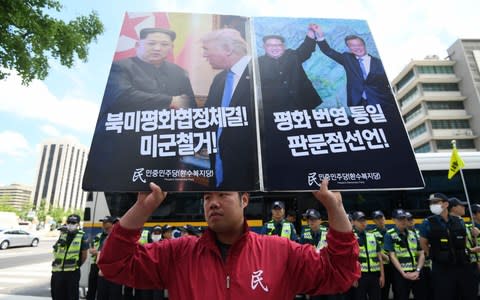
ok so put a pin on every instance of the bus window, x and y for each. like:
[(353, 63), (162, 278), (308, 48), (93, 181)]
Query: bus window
[(87, 214)]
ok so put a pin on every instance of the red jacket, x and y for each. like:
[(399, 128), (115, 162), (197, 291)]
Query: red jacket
[(256, 267)]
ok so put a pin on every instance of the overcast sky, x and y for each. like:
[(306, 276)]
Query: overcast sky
[(67, 102)]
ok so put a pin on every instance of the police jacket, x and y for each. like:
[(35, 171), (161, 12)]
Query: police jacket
[(406, 247), (66, 252), (447, 243), (256, 266), (317, 239), (369, 250)]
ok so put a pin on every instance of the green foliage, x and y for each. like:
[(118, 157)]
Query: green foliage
[(57, 214), (7, 208), (24, 210), (41, 211), (29, 37)]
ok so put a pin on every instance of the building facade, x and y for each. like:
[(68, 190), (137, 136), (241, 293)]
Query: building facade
[(60, 174), (16, 195), (439, 99)]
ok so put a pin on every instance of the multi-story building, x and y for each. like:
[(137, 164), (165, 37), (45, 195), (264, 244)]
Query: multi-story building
[(439, 99), (60, 172), (16, 195)]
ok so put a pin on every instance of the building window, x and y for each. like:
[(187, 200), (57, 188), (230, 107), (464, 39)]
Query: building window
[(409, 97), (47, 173), (435, 69), (413, 113), (440, 87), (450, 124), (417, 131), (445, 105), (461, 144), (405, 80), (423, 148)]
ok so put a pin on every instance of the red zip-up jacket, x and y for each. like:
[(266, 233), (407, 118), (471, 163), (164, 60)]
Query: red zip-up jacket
[(256, 266)]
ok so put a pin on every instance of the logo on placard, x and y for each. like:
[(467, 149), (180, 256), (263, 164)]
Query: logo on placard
[(138, 174)]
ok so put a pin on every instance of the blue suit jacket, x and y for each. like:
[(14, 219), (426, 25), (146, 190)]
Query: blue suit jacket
[(237, 145), (376, 85)]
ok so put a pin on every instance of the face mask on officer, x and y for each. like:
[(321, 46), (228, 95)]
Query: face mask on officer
[(436, 209), (156, 237), (72, 227)]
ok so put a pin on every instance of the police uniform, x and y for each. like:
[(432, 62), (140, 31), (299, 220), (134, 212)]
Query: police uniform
[(368, 283), (67, 252), (145, 237), (387, 266), (283, 228), (106, 289), (406, 247), (318, 238), (93, 275), (425, 272), (451, 271)]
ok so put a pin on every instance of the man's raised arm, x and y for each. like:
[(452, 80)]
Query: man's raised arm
[(123, 260)]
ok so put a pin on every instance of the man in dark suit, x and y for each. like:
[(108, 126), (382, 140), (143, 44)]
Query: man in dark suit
[(367, 83), (148, 80), (235, 163), (285, 85), (145, 82)]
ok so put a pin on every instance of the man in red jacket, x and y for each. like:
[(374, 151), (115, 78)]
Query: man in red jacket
[(229, 261)]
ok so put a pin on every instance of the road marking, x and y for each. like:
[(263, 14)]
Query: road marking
[(19, 276)]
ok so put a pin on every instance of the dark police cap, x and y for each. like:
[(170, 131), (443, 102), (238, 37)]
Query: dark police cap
[(454, 201), (109, 219), (146, 31), (157, 228), (409, 215), (377, 214), (475, 208), (167, 227), (278, 204), (273, 36), (437, 196), (73, 218), (399, 214), (312, 213), (358, 215)]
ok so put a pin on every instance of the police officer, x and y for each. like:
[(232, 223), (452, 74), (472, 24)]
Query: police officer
[(372, 277), (457, 208), (278, 225), (427, 266), (379, 231), (70, 252), (167, 232), (314, 234), (107, 224), (443, 237), (407, 258), (145, 237), (106, 289), (156, 233), (473, 235)]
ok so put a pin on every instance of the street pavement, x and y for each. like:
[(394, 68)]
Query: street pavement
[(25, 271)]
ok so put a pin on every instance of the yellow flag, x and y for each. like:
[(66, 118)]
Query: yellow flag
[(456, 163)]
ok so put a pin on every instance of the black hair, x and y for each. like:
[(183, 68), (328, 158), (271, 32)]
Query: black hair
[(353, 37), (146, 31), (273, 36)]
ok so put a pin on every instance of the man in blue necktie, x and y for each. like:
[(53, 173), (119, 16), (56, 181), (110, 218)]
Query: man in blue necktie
[(367, 82), (235, 162)]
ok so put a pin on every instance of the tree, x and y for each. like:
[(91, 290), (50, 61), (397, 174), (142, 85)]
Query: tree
[(41, 211), (29, 37), (8, 208)]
